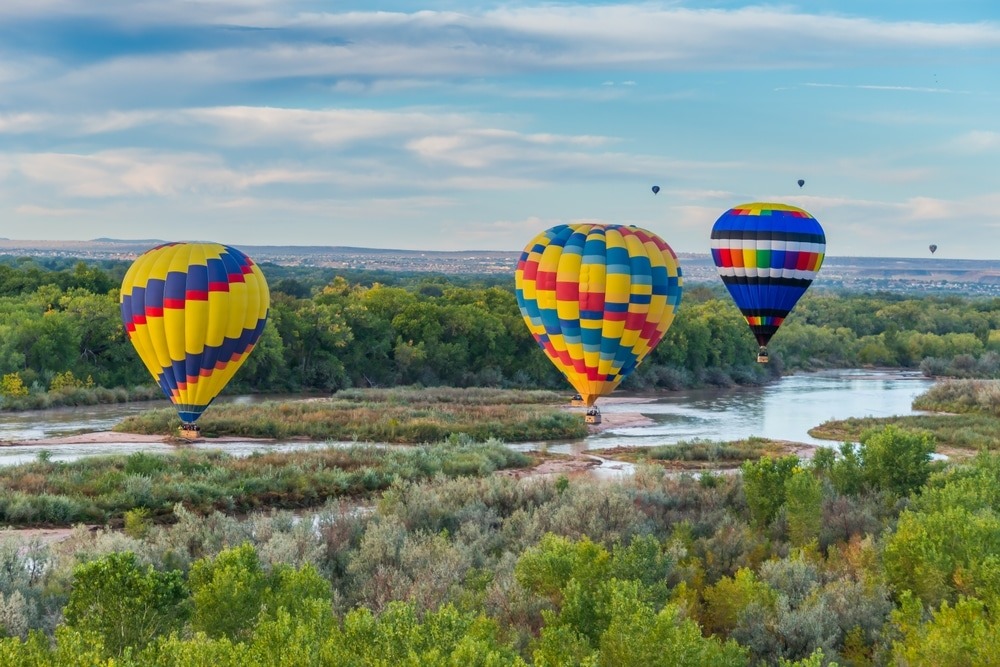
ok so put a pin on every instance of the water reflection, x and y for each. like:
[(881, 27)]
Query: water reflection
[(785, 410)]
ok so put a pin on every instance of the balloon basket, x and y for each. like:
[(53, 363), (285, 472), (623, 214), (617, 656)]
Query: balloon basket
[(577, 401), (189, 432), (762, 356), (593, 416)]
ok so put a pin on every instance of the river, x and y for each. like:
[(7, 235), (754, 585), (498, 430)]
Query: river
[(784, 410)]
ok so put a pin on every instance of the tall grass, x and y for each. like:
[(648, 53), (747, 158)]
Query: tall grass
[(103, 489), (961, 396), (73, 396), (407, 416), (966, 431)]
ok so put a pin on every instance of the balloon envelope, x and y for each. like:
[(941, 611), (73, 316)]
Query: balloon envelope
[(597, 299), (193, 312), (767, 255), (656, 189), (801, 182), (933, 248)]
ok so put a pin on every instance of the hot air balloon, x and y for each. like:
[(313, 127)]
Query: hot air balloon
[(767, 255), (656, 189), (597, 299), (933, 248), (801, 182), (193, 311)]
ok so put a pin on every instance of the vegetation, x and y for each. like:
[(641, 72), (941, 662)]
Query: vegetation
[(701, 454), (105, 489), (791, 563), (972, 425), (402, 415), (63, 343)]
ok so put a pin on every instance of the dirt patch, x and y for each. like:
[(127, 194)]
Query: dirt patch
[(42, 535), (570, 466)]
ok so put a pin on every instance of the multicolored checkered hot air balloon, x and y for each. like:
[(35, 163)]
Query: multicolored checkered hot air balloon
[(767, 255), (598, 299), (193, 311)]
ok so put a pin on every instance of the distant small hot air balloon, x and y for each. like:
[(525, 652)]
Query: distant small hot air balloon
[(598, 299), (656, 189), (193, 312), (767, 255), (933, 248), (801, 182)]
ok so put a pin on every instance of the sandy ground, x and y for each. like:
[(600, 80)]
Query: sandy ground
[(25, 536)]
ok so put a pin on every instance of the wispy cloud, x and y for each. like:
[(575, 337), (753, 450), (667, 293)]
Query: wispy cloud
[(978, 141), (898, 89)]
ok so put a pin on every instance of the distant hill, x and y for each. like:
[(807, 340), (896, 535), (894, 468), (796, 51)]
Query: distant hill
[(928, 275)]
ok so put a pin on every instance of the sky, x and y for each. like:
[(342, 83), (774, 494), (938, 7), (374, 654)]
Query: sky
[(468, 125)]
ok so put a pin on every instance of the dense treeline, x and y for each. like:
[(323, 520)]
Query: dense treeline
[(61, 336), (875, 556)]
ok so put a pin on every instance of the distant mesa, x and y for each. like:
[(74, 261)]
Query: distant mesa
[(129, 241)]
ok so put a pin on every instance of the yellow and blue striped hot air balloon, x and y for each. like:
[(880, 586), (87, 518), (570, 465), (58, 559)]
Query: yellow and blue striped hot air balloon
[(767, 255), (193, 311), (597, 299)]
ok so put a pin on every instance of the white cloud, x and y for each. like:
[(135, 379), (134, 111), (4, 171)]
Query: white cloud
[(978, 141), (119, 173)]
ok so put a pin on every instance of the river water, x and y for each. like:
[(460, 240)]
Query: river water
[(784, 410)]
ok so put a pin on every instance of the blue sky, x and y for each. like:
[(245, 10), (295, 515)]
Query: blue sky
[(475, 125)]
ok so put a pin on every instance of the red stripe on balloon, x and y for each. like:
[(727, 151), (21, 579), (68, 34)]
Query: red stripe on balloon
[(566, 291), (546, 280), (173, 303)]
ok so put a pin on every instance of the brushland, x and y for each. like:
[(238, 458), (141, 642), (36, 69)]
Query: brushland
[(103, 489), (703, 454), (403, 415)]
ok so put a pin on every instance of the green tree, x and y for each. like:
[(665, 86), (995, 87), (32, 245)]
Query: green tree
[(764, 486), (803, 507), (125, 604), (227, 592), (895, 460)]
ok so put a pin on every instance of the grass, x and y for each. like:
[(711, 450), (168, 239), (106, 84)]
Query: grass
[(103, 489), (404, 416), (959, 432), (703, 454), (972, 425)]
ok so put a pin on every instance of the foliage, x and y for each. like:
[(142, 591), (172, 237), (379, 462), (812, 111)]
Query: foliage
[(895, 460), (402, 415), (12, 385), (101, 489), (125, 604), (764, 485)]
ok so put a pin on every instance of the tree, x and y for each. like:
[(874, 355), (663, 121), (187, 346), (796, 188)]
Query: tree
[(126, 604), (764, 486), (803, 507), (895, 460)]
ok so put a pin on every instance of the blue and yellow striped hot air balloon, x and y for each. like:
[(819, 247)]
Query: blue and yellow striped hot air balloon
[(193, 311), (767, 255), (597, 299)]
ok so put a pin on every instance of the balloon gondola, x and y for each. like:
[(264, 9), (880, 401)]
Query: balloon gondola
[(597, 299), (767, 255), (193, 312)]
